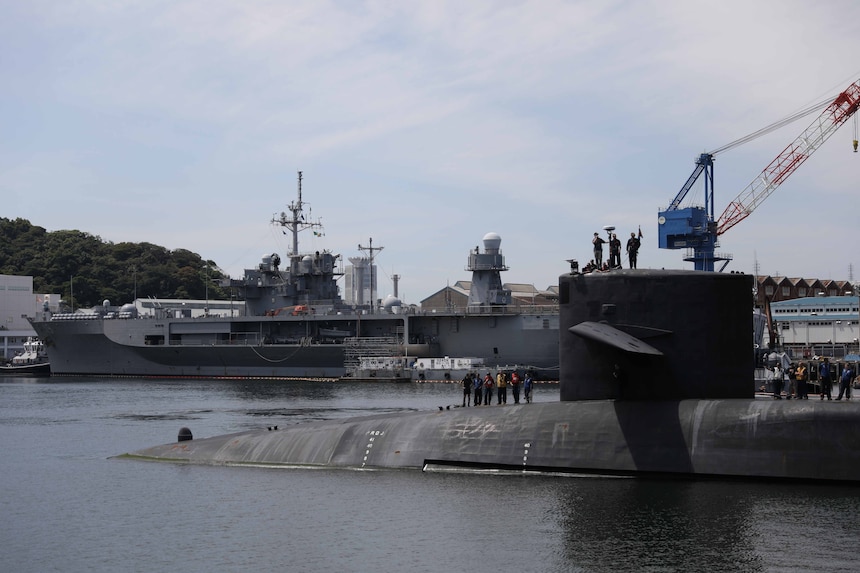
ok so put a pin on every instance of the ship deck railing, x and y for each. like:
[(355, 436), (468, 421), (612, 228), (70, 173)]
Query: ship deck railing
[(499, 310)]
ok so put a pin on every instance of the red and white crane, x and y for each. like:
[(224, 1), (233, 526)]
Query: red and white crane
[(792, 157), (696, 228)]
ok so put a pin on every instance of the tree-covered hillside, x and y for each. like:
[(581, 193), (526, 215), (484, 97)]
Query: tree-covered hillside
[(102, 270)]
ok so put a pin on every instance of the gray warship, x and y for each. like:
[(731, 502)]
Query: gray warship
[(291, 322)]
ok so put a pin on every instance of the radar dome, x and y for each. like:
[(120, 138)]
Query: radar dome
[(129, 309), (391, 301), (492, 242)]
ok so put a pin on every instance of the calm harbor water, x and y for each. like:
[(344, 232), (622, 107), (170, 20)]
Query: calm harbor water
[(68, 506)]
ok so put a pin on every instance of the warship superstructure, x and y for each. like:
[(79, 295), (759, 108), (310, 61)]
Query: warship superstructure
[(291, 322)]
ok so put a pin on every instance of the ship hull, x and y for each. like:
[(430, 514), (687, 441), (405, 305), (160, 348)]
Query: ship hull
[(726, 438), (41, 369), (286, 347)]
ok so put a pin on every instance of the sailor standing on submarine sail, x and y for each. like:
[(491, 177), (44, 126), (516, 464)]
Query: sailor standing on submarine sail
[(614, 252), (598, 249), (633, 244)]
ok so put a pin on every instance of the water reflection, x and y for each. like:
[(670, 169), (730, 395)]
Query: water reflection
[(281, 389), (645, 525), (59, 441)]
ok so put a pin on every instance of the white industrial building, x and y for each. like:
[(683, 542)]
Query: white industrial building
[(819, 325), (17, 302)]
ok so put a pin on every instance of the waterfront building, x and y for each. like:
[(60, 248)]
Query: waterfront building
[(17, 302), (771, 289), (819, 325), (456, 297)]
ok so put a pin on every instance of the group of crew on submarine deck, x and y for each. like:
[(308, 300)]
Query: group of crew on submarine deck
[(482, 388), (598, 265), (794, 380)]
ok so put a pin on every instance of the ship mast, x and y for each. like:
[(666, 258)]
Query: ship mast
[(296, 222), (371, 249)]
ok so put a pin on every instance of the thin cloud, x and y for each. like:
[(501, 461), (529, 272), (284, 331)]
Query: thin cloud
[(423, 125)]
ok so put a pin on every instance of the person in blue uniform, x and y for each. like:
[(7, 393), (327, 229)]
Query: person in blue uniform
[(845, 381), (824, 378), (477, 387), (527, 388)]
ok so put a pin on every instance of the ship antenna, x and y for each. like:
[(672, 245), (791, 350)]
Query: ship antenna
[(296, 221), (371, 249), (296, 209)]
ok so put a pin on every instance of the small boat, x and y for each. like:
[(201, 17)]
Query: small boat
[(379, 369), (334, 333), (34, 360), (446, 368)]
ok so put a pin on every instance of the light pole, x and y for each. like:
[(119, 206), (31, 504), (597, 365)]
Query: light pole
[(206, 308), (857, 322), (133, 270)]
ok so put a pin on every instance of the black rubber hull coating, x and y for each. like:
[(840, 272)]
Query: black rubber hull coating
[(701, 322), (739, 438)]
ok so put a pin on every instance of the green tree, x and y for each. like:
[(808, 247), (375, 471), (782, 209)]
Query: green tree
[(70, 260)]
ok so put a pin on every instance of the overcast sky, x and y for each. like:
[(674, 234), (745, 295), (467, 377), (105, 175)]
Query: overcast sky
[(424, 126)]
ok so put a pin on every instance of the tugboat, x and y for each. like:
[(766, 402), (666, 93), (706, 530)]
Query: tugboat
[(34, 360)]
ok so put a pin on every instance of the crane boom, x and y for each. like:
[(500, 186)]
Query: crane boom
[(705, 161), (792, 157)]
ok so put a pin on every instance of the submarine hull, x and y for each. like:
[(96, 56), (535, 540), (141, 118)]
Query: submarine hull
[(728, 438)]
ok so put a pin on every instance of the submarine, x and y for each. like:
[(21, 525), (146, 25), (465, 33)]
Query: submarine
[(656, 379)]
